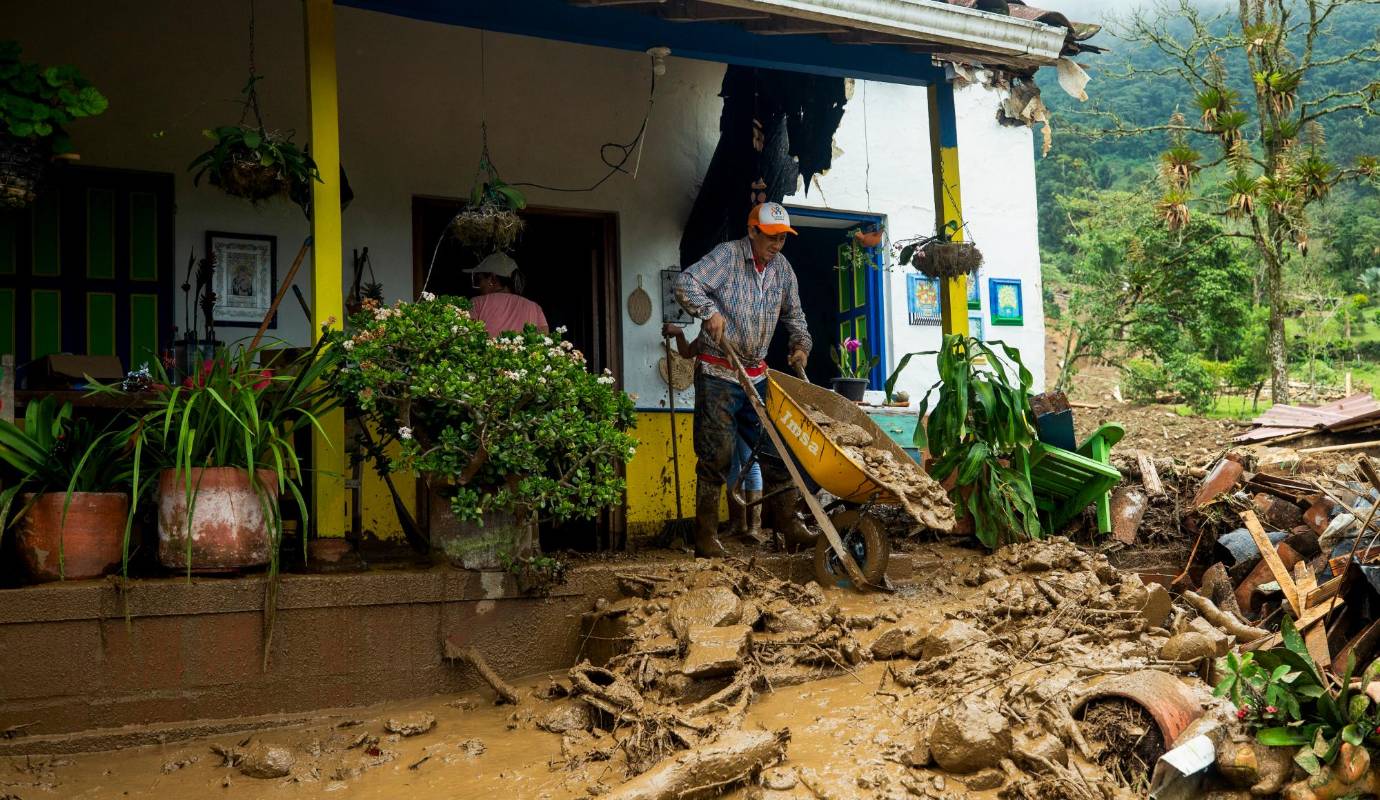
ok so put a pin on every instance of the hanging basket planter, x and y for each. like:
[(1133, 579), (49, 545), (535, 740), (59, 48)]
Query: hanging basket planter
[(245, 177), (22, 164), (487, 227), (939, 259)]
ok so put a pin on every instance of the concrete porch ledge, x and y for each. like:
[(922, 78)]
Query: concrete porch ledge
[(70, 661)]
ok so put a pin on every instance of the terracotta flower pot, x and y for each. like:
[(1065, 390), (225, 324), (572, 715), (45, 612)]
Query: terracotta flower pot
[(87, 546), (868, 239), (228, 530), (469, 545)]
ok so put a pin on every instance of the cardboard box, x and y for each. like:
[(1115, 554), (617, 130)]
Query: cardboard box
[(68, 371)]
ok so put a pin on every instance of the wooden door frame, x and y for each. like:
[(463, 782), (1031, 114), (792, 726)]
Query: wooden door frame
[(606, 305)]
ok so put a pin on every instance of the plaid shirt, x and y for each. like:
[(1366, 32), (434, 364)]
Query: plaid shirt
[(726, 281)]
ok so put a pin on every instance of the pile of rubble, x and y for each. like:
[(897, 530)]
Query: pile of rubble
[(1003, 675)]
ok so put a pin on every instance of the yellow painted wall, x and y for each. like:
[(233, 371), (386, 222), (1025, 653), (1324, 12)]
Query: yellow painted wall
[(376, 504), (651, 486)]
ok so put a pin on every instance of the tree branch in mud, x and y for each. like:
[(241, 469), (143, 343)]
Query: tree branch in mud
[(733, 757), (1226, 622), (506, 693)]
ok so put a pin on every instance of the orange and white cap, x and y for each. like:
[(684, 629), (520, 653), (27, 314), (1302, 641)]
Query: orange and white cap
[(770, 218)]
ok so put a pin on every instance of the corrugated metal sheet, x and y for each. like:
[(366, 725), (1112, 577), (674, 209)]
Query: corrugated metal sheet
[(1359, 410)]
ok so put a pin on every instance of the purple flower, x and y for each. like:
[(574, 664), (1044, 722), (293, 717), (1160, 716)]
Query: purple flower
[(851, 345)]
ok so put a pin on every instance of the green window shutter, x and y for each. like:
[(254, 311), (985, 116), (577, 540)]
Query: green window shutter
[(46, 313), (9, 242), (100, 323), (100, 233), (143, 236), (143, 329), (7, 317), (47, 230)]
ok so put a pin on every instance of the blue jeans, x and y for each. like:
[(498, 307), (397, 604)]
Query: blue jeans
[(741, 453)]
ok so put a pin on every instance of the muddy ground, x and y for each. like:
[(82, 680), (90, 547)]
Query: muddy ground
[(957, 686)]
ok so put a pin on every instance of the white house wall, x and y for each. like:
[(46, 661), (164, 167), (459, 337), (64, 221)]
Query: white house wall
[(410, 105)]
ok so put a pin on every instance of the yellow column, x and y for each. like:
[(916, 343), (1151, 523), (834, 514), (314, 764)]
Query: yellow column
[(327, 254), (948, 205)]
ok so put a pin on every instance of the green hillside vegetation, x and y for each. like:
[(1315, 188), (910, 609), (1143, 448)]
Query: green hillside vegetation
[(1144, 267)]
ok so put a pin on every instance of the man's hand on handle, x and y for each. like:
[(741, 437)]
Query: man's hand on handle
[(714, 326), (798, 359)]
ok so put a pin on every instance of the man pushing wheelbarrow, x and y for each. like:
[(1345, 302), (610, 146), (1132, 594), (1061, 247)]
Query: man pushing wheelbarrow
[(741, 290)]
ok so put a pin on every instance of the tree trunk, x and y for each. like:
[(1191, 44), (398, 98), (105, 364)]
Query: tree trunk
[(1275, 346)]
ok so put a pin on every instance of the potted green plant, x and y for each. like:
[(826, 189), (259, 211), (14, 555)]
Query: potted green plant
[(36, 106), (253, 162), (506, 431), (220, 449), (489, 222), (68, 478), (979, 434), (940, 256), (854, 362)]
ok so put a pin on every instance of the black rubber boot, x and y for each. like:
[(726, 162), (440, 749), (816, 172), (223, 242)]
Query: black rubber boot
[(707, 522), (781, 515)]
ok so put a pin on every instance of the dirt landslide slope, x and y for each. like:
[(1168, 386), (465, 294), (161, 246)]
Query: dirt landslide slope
[(731, 682)]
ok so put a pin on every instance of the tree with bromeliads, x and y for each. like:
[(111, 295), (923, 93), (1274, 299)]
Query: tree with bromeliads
[(1260, 103)]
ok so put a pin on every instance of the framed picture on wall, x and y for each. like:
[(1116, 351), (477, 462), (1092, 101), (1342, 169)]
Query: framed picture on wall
[(975, 327), (974, 298), (1004, 297), (246, 277), (922, 299)]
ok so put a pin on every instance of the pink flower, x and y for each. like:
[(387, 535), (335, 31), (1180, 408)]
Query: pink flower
[(1242, 712), (851, 345), (1270, 709), (267, 378)]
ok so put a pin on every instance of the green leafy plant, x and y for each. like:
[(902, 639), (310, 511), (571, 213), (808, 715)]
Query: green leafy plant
[(853, 358), (57, 452), (1312, 712), (515, 423), (39, 103), (233, 414), (980, 432), (489, 222), (254, 163), (535, 574)]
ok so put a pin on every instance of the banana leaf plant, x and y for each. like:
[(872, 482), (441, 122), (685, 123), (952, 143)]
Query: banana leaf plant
[(979, 431)]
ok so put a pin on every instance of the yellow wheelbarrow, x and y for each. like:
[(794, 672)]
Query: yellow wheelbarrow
[(854, 548)]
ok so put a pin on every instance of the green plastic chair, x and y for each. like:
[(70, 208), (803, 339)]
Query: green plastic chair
[(1066, 482)]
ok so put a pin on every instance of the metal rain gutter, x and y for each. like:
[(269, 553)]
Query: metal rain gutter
[(928, 21)]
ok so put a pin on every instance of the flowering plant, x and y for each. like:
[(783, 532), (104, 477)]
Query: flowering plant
[(516, 423), (853, 359)]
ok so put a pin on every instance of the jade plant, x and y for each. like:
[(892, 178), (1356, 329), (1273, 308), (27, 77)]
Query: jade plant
[(39, 103), (979, 432)]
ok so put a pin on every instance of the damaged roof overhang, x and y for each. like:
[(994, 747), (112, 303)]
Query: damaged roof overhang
[(814, 36)]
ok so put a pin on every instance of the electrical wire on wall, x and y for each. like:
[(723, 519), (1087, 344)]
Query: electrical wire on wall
[(616, 163)]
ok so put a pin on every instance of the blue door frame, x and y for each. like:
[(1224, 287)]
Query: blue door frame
[(875, 286)]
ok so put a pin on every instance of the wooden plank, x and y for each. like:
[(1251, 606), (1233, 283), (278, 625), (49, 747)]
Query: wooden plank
[(1149, 476), (1339, 447), (1326, 591), (1277, 568), (1316, 637), (1363, 643)]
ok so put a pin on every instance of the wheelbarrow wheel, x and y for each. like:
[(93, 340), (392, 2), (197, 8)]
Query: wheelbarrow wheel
[(866, 542)]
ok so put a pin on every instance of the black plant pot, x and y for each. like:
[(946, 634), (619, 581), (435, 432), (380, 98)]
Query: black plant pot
[(851, 388)]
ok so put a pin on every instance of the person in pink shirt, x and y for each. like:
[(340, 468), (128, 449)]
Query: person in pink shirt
[(498, 305)]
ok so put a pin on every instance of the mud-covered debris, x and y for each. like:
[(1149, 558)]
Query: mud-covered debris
[(472, 747), (715, 651), (412, 725), (707, 606), (892, 642), (173, 765), (266, 761), (565, 717), (985, 780), (920, 755), (950, 636), (1037, 748), (1157, 605), (970, 736), (1187, 646), (779, 778)]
